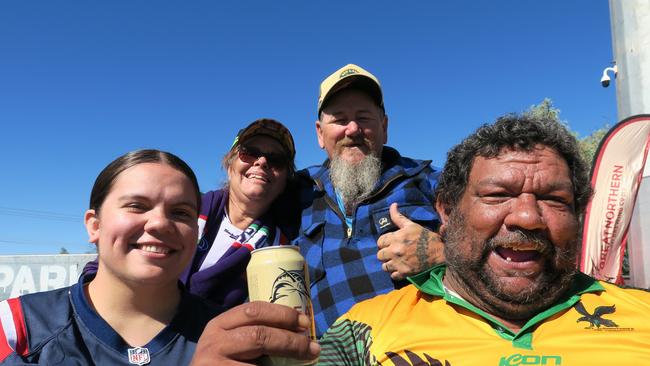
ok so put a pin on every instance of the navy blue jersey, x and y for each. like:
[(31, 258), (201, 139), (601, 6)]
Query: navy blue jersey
[(59, 327)]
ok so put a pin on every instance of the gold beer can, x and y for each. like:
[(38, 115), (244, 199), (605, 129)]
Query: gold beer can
[(279, 275)]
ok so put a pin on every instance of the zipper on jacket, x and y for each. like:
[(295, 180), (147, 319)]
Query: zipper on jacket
[(341, 215), (383, 187), (333, 205)]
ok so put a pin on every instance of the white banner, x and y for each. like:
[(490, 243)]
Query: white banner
[(615, 178)]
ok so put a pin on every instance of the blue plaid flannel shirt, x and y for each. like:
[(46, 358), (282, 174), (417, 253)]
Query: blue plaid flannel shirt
[(343, 268)]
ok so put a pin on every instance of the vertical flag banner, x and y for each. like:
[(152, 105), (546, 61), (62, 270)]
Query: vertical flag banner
[(615, 178)]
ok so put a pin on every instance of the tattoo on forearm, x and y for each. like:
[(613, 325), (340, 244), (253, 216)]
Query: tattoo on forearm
[(422, 249)]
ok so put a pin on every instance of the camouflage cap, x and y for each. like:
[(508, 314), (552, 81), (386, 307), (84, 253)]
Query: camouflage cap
[(267, 127)]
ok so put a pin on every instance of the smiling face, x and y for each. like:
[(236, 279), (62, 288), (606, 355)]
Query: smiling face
[(146, 228), (256, 183), (352, 126), (511, 241)]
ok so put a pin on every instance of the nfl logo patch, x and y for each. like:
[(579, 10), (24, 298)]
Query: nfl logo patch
[(139, 356)]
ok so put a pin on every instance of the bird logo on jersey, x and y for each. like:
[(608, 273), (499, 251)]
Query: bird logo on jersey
[(139, 356), (595, 319)]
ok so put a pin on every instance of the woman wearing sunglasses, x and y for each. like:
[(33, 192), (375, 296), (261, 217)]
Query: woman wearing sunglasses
[(249, 212)]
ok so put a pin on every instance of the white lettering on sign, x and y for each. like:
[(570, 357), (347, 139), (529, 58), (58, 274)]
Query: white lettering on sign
[(24, 282), (52, 277), (20, 275), (6, 277), (74, 274)]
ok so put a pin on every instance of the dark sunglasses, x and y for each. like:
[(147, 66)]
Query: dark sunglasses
[(249, 155)]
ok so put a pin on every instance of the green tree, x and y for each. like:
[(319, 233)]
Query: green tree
[(588, 144), (545, 109)]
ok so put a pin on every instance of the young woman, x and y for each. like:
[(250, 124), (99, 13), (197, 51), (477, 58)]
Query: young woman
[(143, 218)]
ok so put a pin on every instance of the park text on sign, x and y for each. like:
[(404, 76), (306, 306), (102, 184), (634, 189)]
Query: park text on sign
[(20, 275)]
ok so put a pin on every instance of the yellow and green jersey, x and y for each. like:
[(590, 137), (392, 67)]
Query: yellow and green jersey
[(597, 323)]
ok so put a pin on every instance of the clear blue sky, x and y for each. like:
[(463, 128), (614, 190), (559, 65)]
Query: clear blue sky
[(82, 82)]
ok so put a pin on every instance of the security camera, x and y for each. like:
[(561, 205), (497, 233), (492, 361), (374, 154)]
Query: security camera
[(604, 81)]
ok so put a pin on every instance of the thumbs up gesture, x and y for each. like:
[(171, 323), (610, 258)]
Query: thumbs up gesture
[(409, 250)]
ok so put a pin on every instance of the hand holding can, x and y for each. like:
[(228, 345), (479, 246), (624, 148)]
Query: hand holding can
[(279, 275)]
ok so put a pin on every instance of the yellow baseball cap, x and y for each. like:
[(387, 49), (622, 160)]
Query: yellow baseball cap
[(350, 76)]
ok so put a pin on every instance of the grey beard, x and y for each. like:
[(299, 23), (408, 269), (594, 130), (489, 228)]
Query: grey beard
[(354, 181)]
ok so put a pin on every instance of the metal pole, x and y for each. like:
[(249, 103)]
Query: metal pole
[(631, 41), (630, 22)]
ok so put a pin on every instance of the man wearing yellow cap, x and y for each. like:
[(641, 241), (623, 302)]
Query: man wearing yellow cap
[(356, 244)]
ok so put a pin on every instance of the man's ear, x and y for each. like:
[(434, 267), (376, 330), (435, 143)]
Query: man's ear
[(319, 133), (385, 127), (444, 217), (91, 220)]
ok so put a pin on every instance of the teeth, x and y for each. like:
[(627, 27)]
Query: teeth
[(520, 248), (513, 247), (509, 259), (154, 249), (255, 176)]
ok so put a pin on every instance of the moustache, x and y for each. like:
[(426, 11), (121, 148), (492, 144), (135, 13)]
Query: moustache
[(523, 240), (357, 140)]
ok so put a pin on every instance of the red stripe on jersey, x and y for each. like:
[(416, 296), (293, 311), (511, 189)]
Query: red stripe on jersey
[(22, 348), (5, 348)]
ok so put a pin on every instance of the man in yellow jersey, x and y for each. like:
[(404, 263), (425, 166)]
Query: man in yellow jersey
[(510, 198)]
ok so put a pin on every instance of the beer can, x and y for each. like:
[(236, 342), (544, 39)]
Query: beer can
[(278, 275)]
